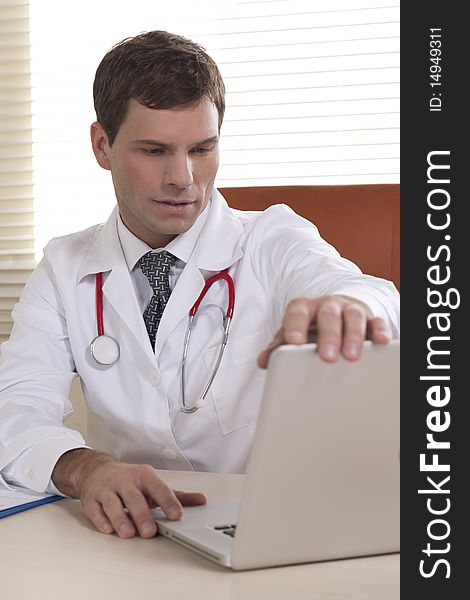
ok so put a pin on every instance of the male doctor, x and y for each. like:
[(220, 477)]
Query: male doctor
[(159, 100)]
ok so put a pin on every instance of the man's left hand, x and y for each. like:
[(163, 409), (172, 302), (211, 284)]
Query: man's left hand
[(342, 325)]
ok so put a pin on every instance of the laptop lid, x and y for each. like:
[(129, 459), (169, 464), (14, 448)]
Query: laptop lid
[(323, 477)]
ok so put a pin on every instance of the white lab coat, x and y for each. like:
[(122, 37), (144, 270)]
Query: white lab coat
[(273, 256)]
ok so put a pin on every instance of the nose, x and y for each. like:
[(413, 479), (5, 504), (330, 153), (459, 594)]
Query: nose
[(179, 172)]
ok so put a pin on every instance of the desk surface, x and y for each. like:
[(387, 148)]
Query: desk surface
[(53, 552)]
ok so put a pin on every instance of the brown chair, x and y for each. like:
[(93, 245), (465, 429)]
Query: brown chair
[(361, 221)]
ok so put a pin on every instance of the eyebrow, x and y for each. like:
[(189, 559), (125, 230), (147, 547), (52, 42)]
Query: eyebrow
[(152, 142)]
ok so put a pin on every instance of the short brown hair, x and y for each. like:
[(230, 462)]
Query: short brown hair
[(159, 69)]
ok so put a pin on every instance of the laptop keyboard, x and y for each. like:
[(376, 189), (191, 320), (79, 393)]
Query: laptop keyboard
[(226, 529)]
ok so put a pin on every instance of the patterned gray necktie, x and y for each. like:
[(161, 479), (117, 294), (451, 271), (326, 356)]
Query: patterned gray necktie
[(156, 267)]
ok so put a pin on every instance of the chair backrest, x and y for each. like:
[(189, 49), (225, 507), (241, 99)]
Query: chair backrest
[(361, 221)]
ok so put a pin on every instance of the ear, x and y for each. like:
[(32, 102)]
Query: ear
[(100, 145)]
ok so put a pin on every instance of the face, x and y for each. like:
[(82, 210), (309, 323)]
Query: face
[(163, 164)]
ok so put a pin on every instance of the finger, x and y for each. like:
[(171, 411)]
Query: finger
[(296, 323), (114, 510), (354, 331), (138, 509), (378, 331), (191, 498), (295, 327), (330, 329), (96, 515), (163, 495)]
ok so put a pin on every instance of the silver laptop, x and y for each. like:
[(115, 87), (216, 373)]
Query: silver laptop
[(323, 477)]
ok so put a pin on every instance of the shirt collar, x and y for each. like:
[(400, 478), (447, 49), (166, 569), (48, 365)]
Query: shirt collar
[(181, 247)]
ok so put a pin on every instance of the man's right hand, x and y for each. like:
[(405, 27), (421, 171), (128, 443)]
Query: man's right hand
[(116, 496)]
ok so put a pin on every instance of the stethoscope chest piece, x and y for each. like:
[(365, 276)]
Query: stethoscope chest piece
[(105, 350)]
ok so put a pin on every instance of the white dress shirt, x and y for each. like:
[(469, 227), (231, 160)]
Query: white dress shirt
[(134, 248)]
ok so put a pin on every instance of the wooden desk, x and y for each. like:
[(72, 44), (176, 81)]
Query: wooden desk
[(52, 552)]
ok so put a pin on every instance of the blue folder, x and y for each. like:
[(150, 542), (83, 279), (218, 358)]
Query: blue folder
[(13, 510)]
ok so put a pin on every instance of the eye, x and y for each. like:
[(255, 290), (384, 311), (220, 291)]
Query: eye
[(203, 149), (153, 151)]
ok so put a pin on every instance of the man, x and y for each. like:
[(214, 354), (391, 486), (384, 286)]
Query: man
[(159, 101)]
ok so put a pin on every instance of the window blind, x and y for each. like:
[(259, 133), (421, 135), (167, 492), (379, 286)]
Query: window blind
[(16, 180), (312, 93)]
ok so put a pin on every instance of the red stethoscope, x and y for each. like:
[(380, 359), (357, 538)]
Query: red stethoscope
[(105, 349)]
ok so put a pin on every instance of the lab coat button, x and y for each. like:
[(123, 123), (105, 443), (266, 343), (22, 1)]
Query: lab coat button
[(167, 453), (155, 379), (29, 475)]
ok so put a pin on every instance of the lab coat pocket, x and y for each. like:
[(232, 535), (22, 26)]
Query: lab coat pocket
[(238, 385)]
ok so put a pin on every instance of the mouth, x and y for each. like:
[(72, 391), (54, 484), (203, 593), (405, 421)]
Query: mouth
[(176, 207), (176, 202)]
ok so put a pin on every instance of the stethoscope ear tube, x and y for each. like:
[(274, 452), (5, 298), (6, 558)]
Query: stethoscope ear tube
[(227, 320), (202, 400), (187, 337)]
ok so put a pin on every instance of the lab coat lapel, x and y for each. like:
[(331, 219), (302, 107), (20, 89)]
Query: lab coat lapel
[(119, 291), (217, 248), (182, 298), (106, 256)]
